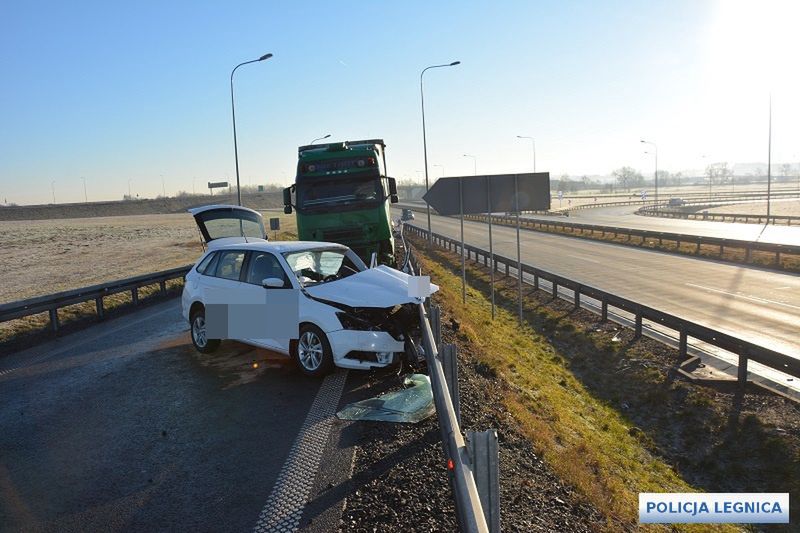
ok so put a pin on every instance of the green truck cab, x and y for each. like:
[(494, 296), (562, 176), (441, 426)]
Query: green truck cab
[(342, 195)]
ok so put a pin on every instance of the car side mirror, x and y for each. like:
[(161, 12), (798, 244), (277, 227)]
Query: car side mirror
[(287, 201), (272, 283)]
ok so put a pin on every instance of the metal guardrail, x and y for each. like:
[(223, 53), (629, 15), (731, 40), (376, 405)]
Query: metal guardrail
[(476, 507), (720, 217), (746, 351), (748, 246), (53, 302), (469, 510)]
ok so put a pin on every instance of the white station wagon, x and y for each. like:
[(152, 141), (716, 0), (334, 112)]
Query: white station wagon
[(346, 314)]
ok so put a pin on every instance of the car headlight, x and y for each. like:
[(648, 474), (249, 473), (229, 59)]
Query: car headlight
[(353, 322)]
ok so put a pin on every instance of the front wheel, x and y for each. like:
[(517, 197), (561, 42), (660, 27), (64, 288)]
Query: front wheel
[(312, 352), (201, 342)]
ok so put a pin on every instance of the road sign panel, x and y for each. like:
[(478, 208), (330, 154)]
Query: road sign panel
[(217, 184), (533, 193)]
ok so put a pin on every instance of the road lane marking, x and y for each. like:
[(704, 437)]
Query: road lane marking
[(285, 504), (752, 298), (582, 258)]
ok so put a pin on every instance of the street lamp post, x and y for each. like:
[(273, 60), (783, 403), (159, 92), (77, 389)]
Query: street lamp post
[(85, 196), (533, 147), (233, 115), (53, 188), (769, 160), (129, 190), (320, 138), (163, 187), (424, 138), (655, 174)]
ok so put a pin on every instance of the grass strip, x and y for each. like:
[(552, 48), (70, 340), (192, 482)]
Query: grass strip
[(585, 437)]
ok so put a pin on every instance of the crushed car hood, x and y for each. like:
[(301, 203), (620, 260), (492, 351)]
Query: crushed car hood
[(375, 287)]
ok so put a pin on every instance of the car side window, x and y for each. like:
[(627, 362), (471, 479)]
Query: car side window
[(206, 263), (264, 265), (230, 265)]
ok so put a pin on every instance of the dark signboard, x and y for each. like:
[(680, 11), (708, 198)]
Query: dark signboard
[(490, 194)]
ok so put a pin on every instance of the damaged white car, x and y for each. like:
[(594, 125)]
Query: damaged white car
[(329, 308)]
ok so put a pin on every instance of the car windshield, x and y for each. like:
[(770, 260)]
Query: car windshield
[(313, 267), (340, 191)]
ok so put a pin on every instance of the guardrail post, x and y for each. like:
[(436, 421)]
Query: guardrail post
[(777, 259), (604, 311), (135, 295), (163, 285), (741, 372), (507, 273), (101, 312), (53, 320), (683, 344), (576, 293), (747, 253), (555, 289), (638, 323), (436, 324), (484, 452), (450, 363), (535, 281)]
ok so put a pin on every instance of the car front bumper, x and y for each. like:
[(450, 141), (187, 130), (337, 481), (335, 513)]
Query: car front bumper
[(345, 341)]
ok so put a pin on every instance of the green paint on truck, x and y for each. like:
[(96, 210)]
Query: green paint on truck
[(342, 195)]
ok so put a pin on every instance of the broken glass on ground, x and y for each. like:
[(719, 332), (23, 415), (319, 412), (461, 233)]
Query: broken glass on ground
[(409, 405)]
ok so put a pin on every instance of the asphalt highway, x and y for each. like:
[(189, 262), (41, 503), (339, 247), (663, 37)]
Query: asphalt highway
[(125, 427), (759, 305), (625, 217)]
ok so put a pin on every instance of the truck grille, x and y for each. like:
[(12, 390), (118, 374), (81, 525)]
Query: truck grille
[(343, 234)]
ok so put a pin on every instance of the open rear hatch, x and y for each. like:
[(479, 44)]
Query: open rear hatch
[(228, 224)]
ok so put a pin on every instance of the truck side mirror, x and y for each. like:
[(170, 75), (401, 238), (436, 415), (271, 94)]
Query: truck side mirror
[(287, 200), (393, 190)]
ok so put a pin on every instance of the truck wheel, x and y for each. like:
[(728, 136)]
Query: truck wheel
[(198, 325), (386, 254), (312, 352)]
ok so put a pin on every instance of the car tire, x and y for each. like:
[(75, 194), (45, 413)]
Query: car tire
[(312, 352), (197, 327)]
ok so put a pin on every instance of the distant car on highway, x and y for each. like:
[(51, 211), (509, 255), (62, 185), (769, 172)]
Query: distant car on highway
[(676, 202), (407, 215), (348, 315)]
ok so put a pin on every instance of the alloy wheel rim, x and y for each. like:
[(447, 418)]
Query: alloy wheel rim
[(310, 350), (199, 331)]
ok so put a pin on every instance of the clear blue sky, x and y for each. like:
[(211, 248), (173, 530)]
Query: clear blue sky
[(132, 91)]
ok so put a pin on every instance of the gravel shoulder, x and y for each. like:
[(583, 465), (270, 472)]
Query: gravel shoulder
[(402, 476)]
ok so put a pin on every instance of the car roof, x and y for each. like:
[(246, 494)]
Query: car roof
[(284, 246)]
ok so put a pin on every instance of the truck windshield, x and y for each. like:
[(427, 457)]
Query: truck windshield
[(316, 194)]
